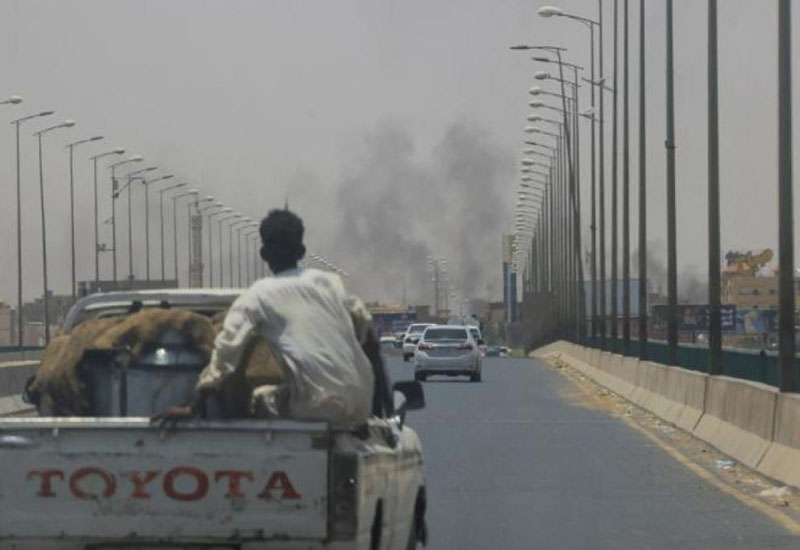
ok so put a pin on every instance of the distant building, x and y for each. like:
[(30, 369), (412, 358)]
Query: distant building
[(390, 319), (750, 292), (422, 313)]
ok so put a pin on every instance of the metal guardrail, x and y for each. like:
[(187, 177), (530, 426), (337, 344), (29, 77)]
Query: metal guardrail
[(754, 365), (20, 353)]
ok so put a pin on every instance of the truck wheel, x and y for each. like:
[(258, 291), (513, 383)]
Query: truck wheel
[(406, 357), (475, 377)]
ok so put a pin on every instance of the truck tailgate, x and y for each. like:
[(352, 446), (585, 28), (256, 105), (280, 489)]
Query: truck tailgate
[(123, 479)]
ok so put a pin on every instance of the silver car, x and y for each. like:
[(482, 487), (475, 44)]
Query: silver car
[(411, 338), (448, 350)]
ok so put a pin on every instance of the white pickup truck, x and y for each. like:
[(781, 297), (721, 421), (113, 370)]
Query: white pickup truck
[(118, 482)]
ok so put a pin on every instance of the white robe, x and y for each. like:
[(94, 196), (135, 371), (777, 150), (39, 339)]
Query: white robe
[(308, 318)]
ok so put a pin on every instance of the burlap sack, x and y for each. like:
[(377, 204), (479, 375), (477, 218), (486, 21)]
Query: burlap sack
[(58, 388)]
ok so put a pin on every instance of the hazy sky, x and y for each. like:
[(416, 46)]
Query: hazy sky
[(253, 101)]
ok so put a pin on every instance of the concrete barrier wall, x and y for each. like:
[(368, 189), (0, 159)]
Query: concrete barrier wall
[(751, 422), (14, 375), (782, 459), (739, 418), (12, 382)]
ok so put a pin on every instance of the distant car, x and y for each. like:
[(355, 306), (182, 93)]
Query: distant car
[(476, 335), (388, 343), (492, 351), (447, 350), (411, 337)]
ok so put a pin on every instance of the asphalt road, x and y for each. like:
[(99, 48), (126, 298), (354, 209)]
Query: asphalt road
[(512, 465)]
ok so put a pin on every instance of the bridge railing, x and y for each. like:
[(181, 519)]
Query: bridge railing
[(20, 353), (747, 364)]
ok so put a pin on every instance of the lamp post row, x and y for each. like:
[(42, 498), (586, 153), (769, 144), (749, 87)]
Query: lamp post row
[(242, 222), (533, 223)]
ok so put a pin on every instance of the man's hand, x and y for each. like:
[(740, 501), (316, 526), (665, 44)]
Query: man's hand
[(172, 415)]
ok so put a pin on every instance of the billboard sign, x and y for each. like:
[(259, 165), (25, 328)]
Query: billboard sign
[(694, 317), (394, 322)]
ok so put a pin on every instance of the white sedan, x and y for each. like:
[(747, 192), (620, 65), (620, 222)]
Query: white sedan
[(448, 350)]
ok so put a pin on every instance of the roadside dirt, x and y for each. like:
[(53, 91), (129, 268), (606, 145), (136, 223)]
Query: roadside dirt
[(747, 485)]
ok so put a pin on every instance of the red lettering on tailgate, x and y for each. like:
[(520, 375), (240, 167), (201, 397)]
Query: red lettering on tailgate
[(200, 477), (279, 481), (46, 486), (234, 481), (79, 475), (140, 481)]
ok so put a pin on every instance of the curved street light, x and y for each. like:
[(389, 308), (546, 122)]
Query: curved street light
[(17, 123), (97, 247), (161, 217), (114, 196), (71, 147), (147, 183), (68, 123), (175, 198)]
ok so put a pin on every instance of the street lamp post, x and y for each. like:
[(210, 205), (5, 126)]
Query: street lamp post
[(45, 297), (147, 183), (237, 225), (161, 217), (672, 252), (210, 218), (231, 216), (786, 292), (642, 192), (117, 151), (626, 183), (550, 11), (17, 123), (247, 234), (71, 147), (133, 176), (714, 253), (572, 198), (114, 195), (211, 205), (175, 199)]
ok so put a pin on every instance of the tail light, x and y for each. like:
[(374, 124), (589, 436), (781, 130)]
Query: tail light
[(465, 345), (344, 496), (424, 347)]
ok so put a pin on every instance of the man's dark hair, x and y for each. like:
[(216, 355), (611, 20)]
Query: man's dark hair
[(282, 239)]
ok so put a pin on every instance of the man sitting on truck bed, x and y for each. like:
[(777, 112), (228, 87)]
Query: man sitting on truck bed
[(322, 336)]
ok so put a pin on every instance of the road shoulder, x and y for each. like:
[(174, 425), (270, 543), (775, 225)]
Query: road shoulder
[(778, 502)]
